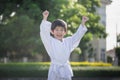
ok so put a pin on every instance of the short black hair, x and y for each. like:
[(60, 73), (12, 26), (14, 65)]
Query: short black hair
[(60, 23)]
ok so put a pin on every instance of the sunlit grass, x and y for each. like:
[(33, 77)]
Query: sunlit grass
[(90, 64), (86, 63)]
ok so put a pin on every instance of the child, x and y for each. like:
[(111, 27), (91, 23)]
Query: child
[(58, 47)]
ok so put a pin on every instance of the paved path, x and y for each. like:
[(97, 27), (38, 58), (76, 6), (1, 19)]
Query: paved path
[(72, 79)]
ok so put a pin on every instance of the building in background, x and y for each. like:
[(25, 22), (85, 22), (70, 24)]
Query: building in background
[(113, 29), (99, 45), (110, 18)]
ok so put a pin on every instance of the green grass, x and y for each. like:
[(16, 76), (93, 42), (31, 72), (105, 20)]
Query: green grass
[(40, 69)]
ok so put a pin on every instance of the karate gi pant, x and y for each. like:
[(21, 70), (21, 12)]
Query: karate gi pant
[(60, 72), (53, 76)]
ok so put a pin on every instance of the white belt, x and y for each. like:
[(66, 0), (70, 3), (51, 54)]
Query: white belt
[(62, 70)]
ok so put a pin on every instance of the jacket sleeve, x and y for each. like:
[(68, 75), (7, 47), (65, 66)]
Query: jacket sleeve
[(76, 37), (45, 28)]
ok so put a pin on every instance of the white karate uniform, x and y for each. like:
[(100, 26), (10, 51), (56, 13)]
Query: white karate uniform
[(59, 51)]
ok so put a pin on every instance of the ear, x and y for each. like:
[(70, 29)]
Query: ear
[(65, 32)]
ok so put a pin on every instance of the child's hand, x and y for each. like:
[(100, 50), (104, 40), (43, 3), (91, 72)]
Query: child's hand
[(45, 14), (84, 20)]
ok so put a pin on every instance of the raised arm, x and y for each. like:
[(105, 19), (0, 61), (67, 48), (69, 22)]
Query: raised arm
[(45, 25), (75, 38), (45, 28)]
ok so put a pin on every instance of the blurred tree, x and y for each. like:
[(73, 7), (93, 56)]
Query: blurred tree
[(117, 54), (19, 35), (73, 11), (21, 32), (95, 29), (118, 38)]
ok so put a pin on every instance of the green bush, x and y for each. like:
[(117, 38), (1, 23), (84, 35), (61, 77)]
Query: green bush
[(23, 69), (86, 63), (41, 70), (117, 51), (109, 59)]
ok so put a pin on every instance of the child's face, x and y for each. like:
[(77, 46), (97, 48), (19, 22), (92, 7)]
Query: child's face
[(58, 33)]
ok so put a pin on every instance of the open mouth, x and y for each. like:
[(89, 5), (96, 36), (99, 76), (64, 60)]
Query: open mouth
[(59, 35)]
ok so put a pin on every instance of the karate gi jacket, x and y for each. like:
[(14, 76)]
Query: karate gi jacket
[(59, 51)]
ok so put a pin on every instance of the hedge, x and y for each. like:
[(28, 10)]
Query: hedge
[(117, 51), (40, 69)]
